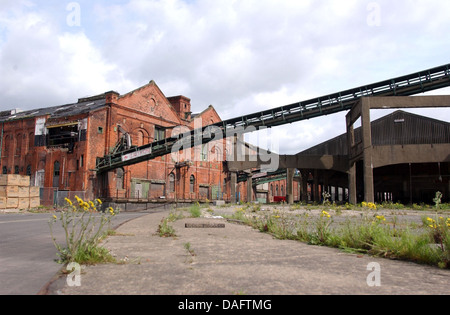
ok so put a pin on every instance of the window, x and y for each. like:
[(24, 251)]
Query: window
[(16, 170), (192, 184), (5, 170), (171, 182), (282, 190), (56, 169), (100, 130), (160, 133)]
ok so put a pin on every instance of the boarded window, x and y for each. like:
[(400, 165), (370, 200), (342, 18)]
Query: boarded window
[(157, 190), (203, 192)]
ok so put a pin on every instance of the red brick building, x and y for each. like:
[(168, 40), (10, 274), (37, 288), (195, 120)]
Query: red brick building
[(58, 148)]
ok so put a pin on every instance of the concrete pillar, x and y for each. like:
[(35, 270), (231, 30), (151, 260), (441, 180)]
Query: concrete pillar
[(304, 188), (316, 197), (290, 186), (233, 183), (369, 195), (249, 188), (352, 185)]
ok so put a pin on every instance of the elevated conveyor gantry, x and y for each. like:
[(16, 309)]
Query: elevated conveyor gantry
[(408, 85)]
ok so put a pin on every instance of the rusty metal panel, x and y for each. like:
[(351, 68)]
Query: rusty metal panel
[(398, 128)]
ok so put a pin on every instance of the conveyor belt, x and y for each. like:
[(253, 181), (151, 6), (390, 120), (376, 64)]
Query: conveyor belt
[(420, 82)]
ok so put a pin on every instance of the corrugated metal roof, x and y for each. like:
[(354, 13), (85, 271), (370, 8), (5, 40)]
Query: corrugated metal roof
[(57, 111), (398, 128)]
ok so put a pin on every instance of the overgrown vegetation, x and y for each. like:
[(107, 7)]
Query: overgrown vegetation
[(165, 229), (369, 233), (195, 210), (84, 227)]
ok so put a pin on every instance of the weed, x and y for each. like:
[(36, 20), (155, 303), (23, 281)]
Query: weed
[(195, 210), (189, 250), (84, 227), (373, 235), (165, 229)]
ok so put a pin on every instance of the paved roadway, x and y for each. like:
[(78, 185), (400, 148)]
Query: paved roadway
[(27, 253)]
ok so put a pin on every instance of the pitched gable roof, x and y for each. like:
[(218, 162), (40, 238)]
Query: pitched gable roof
[(149, 99)]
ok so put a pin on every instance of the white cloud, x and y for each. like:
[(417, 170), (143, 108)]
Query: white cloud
[(240, 56)]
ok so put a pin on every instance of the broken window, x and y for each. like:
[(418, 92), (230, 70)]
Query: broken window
[(64, 135)]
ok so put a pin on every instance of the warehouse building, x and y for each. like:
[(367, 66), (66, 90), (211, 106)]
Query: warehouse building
[(58, 148)]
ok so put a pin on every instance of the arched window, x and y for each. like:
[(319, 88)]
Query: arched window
[(282, 190), (171, 182), (216, 154), (140, 138), (271, 190), (56, 173), (276, 190), (5, 170), (192, 184)]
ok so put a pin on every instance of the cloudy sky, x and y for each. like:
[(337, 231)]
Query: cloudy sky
[(241, 56)]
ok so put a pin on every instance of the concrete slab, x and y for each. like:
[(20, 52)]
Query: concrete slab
[(240, 260)]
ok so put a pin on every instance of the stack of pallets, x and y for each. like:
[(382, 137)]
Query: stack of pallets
[(16, 193)]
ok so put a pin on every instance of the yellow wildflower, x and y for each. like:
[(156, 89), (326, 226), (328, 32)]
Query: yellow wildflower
[(325, 214), (54, 217), (98, 201), (69, 202)]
